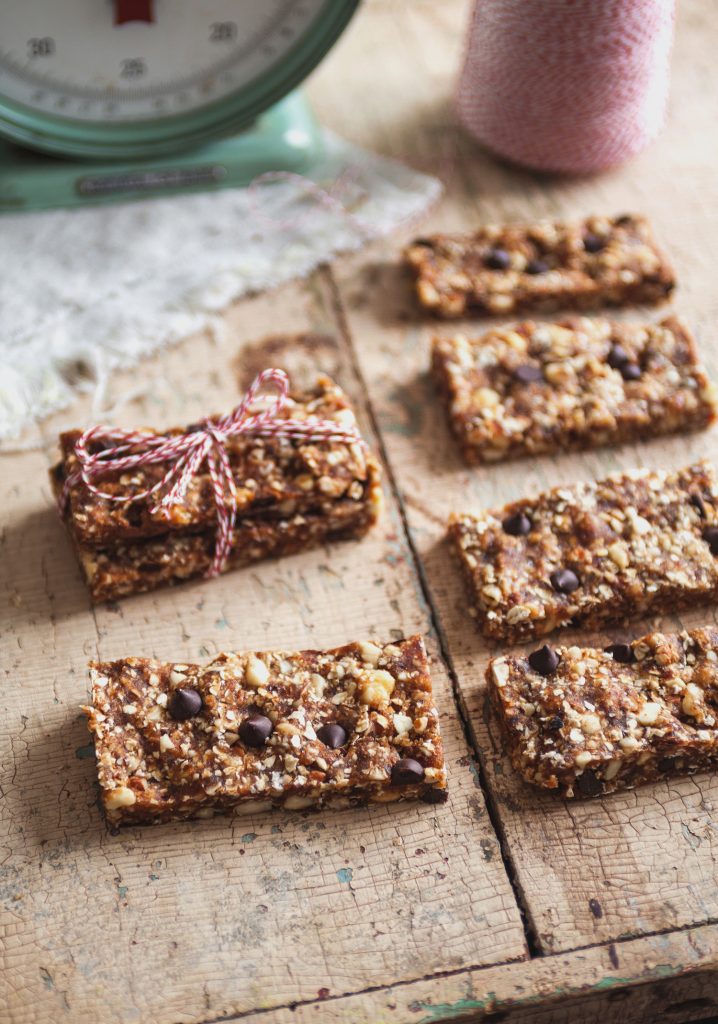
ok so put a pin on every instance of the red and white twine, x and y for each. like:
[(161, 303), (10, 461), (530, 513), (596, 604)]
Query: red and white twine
[(566, 85), (185, 454)]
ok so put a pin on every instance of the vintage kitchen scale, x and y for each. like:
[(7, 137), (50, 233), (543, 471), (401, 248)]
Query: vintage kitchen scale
[(103, 100)]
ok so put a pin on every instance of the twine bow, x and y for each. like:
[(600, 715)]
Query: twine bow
[(185, 453)]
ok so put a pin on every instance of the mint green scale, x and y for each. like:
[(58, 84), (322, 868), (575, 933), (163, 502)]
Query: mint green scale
[(106, 100)]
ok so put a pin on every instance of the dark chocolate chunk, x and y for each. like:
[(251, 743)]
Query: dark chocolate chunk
[(593, 243), (407, 772), (617, 357), (432, 795), (710, 535), (588, 784), (528, 373), (565, 581), (332, 735), (631, 371), (256, 730), (497, 259), (621, 652), (554, 724), (537, 267), (184, 703), (517, 525), (697, 502), (544, 661)]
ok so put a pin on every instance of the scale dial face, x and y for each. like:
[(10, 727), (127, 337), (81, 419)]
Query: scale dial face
[(124, 66)]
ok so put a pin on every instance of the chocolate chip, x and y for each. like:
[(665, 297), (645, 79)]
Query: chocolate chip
[(544, 660), (332, 735), (428, 243), (537, 267), (184, 703), (625, 218), (95, 447), (517, 525), (554, 724), (497, 259), (621, 652), (432, 795), (711, 537), (666, 764), (697, 502), (528, 373), (134, 515), (565, 581), (588, 784), (256, 730), (617, 357), (593, 243), (407, 772), (631, 371)]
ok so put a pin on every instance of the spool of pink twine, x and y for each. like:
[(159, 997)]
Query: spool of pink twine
[(566, 85)]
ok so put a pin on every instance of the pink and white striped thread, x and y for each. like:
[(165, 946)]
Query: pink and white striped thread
[(566, 85), (185, 453)]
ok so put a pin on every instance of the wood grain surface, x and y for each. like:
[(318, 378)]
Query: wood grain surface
[(502, 904)]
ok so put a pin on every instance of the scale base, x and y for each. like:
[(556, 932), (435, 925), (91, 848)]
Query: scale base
[(285, 138)]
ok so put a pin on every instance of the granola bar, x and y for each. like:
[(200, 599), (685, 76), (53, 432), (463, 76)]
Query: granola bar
[(536, 388), (585, 721), (292, 493), (635, 543), (132, 567), (599, 261), (248, 732)]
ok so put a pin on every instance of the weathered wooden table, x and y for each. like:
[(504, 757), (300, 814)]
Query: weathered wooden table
[(502, 904)]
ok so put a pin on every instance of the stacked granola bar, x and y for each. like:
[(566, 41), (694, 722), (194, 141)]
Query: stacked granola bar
[(290, 494)]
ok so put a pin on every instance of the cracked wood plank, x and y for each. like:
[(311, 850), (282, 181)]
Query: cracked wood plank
[(662, 978), (201, 920), (638, 862)]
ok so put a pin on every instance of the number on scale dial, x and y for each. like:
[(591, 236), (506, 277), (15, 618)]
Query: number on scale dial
[(132, 60)]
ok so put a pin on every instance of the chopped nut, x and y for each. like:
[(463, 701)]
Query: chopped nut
[(591, 724), (486, 398), (499, 671), (403, 724), (376, 688), (370, 653), (692, 699), (628, 743), (122, 796), (257, 673), (619, 555), (649, 713)]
